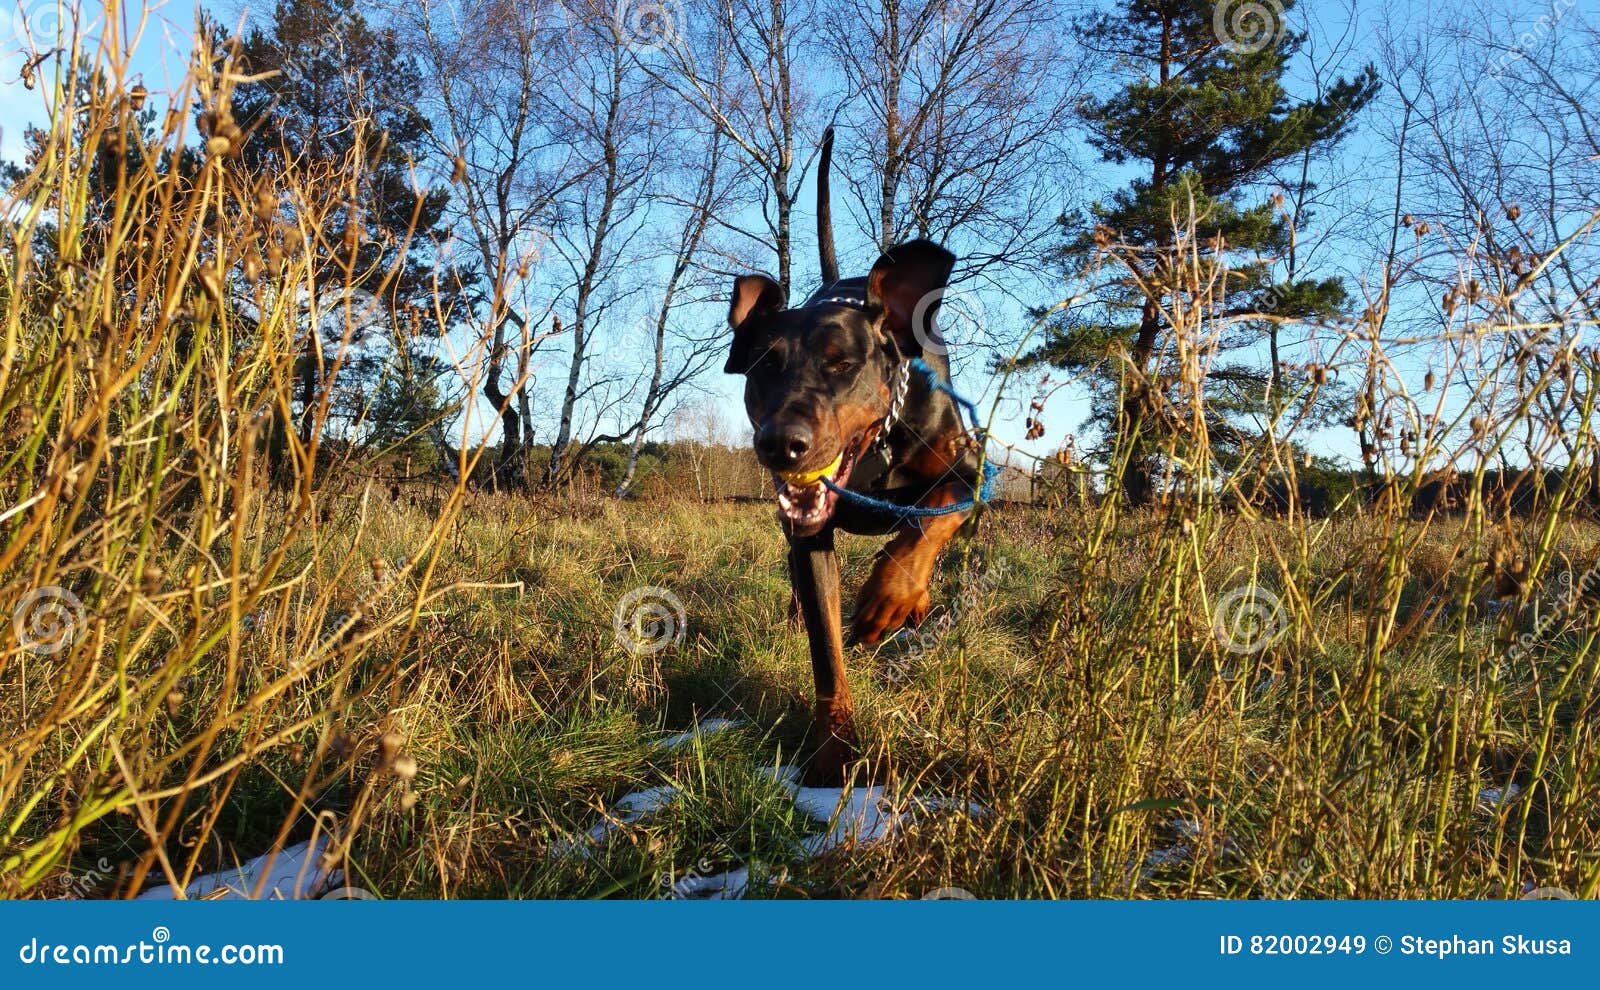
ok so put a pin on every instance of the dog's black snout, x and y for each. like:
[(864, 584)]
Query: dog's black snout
[(782, 444)]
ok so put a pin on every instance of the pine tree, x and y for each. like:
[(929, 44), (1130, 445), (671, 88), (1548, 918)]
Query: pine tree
[(1205, 117), (335, 99)]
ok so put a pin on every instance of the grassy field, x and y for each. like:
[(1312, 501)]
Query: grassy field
[(1080, 690), (225, 627)]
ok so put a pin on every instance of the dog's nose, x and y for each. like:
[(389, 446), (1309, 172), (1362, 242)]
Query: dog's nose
[(782, 445)]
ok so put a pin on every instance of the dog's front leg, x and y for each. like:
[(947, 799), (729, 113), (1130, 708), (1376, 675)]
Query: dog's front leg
[(814, 571), (896, 593)]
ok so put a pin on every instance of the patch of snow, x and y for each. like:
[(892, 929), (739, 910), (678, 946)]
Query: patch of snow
[(861, 815), (858, 816), (291, 874), (1490, 797), (728, 886), (629, 809), (707, 727)]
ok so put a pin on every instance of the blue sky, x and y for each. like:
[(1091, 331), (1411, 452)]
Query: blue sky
[(1360, 177)]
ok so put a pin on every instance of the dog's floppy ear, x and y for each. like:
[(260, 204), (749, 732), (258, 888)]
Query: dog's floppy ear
[(753, 295), (907, 281)]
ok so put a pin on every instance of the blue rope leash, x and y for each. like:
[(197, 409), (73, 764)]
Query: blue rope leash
[(991, 470)]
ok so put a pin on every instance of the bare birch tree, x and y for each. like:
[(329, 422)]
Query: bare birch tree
[(957, 111), (747, 68), (668, 374), (609, 113), (489, 66)]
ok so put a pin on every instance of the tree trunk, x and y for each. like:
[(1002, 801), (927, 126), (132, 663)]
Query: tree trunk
[(889, 178), (1136, 482), (308, 389), (508, 470)]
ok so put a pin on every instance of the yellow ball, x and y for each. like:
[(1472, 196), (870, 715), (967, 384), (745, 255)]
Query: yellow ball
[(805, 479)]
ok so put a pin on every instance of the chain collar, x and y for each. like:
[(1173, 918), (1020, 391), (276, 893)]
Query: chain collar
[(897, 401), (839, 301)]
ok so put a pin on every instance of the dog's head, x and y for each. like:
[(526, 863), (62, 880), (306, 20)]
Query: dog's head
[(818, 378)]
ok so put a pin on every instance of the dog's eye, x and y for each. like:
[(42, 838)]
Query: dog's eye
[(840, 368)]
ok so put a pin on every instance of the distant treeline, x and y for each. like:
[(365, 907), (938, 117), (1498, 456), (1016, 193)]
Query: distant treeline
[(716, 471), (1500, 491)]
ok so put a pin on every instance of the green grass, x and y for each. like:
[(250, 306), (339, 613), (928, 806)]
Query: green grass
[(1085, 703)]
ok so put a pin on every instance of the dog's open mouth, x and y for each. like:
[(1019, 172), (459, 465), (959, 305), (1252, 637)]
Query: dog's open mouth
[(804, 501)]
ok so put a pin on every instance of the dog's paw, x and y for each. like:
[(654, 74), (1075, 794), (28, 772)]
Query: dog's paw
[(833, 747), (882, 611)]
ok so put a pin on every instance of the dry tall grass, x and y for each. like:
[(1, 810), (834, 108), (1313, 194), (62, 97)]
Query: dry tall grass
[(224, 641), (178, 613)]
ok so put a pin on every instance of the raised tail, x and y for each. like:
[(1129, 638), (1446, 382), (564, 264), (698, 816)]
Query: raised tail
[(825, 252)]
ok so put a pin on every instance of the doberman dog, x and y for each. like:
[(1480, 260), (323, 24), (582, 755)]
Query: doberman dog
[(831, 396)]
